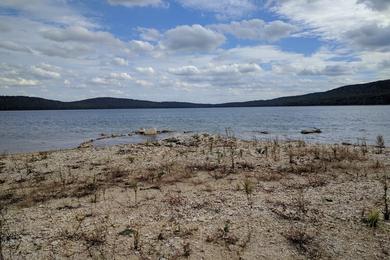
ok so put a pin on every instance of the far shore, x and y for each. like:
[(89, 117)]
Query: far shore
[(197, 196)]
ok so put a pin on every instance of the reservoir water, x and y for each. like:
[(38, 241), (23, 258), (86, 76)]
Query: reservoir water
[(23, 131)]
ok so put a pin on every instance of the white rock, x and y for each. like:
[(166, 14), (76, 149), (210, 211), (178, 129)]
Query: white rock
[(150, 131)]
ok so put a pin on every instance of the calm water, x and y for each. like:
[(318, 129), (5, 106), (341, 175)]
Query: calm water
[(46, 130)]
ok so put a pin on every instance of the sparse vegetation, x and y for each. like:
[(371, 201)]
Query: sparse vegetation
[(299, 237), (193, 199), (380, 143), (386, 213), (248, 188), (372, 219)]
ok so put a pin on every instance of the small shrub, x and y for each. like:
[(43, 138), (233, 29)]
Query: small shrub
[(136, 240), (226, 228), (174, 200), (386, 213), (372, 218), (380, 143), (134, 185), (290, 156), (186, 250), (248, 187), (299, 238)]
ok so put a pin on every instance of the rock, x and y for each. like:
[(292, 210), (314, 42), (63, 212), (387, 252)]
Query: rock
[(165, 131), (172, 140), (140, 131), (86, 144), (150, 131), (311, 131)]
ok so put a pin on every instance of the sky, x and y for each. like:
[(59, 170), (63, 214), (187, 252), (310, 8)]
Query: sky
[(200, 51)]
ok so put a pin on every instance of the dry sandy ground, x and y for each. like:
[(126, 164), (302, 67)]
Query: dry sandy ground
[(199, 197)]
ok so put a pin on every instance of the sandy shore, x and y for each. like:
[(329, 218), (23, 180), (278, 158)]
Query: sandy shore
[(199, 197)]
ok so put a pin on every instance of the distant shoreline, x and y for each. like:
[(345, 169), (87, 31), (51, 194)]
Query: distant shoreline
[(373, 93), (212, 107)]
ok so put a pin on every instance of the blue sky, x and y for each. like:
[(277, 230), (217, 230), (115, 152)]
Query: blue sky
[(190, 50)]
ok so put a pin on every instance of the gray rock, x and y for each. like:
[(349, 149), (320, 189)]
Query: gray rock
[(311, 131)]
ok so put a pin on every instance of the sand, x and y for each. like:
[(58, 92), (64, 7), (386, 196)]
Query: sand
[(196, 197)]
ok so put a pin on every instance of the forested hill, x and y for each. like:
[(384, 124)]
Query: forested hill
[(33, 103), (373, 93)]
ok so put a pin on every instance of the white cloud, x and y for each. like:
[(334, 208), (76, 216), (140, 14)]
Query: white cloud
[(349, 21), (257, 29), (100, 81), (78, 34), (64, 51), (223, 9), (149, 34), (145, 70), (184, 71), (192, 38), (143, 83), (216, 69), (121, 76), (136, 3), (328, 70), (120, 61), (70, 57), (376, 4), (138, 47), (56, 11), (18, 82), (46, 71), (8, 45)]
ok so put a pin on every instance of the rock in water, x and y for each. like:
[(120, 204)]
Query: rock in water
[(140, 131), (150, 131), (311, 131)]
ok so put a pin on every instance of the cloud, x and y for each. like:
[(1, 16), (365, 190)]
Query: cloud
[(222, 9), (213, 70), (17, 82), (139, 47), (371, 36), (257, 29), (46, 71), (192, 38), (329, 70), (50, 45), (143, 83), (145, 70), (360, 26), (120, 79), (121, 76), (56, 11), (64, 51), (78, 34), (8, 45), (376, 4), (100, 81), (136, 3), (184, 71), (149, 34), (120, 61)]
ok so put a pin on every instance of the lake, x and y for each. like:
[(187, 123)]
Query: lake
[(23, 131)]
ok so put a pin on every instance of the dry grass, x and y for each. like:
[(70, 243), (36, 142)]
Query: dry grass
[(200, 197)]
